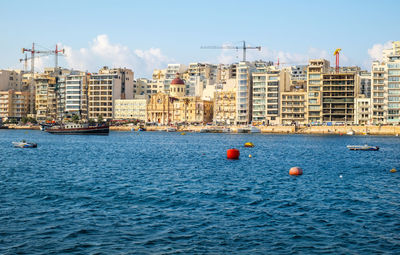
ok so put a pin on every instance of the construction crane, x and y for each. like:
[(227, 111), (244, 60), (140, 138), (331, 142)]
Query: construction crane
[(243, 47), (336, 53), (35, 54)]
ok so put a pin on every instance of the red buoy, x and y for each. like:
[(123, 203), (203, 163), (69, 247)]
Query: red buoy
[(296, 171), (233, 154)]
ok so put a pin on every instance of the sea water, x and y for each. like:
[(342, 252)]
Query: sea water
[(166, 193)]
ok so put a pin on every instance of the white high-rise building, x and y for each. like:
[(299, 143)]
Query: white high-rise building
[(385, 83), (76, 91), (244, 93)]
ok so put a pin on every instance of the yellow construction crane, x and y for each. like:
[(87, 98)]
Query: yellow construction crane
[(243, 47), (336, 53)]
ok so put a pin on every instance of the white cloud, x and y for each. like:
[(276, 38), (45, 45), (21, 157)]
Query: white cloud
[(375, 53), (101, 52)]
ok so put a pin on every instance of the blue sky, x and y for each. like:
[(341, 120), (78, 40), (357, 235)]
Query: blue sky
[(144, 35)]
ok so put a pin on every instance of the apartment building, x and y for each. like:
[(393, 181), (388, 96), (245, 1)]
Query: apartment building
[(192, 110), (224, 107), (10, 80), (378, 95), (315, 69), (14, 104), (385, 85), (363, 110), (244, 98), (339, 91), (364, 87), (131, 109), (45, 97), (107, 86), (265, 93), (143, 87), (76, 90), (298, 72), (198, 76)]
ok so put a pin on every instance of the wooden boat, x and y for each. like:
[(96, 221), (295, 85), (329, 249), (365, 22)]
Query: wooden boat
[(362, 147), (79, 129)]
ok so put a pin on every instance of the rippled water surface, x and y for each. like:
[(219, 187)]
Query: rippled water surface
[(164, 193)]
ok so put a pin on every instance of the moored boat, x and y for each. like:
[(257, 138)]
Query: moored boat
[(249, 130), (24, 144), (79, 129), (362, 147)]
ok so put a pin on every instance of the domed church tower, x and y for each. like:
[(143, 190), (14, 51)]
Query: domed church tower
[(177, 88)]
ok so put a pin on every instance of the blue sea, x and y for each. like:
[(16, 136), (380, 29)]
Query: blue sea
[(166, 193)]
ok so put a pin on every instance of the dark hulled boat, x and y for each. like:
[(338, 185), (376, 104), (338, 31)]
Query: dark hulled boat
[(79, 129)]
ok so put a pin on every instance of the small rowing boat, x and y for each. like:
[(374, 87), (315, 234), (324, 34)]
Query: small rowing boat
[(362, 147), (24, 144)]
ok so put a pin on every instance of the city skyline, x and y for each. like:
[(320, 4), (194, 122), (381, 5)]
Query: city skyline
[(141, 37)]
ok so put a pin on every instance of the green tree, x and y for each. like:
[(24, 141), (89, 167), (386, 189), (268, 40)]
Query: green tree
[(75, 118), (100, 119), (24, 120)]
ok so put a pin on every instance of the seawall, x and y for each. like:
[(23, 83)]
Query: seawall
[(326, 130)]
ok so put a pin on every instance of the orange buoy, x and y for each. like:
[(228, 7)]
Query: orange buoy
[(296, 171), (233, 154), (393, 170)]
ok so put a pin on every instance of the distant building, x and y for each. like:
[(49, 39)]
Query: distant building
[(364, 87), (385, 96), (176, 107), (314, 89), (77, 94), (45, 97), (107, 86), (224, 107), (160, 109), (10, 80), (298, 72), (244, 93), (265, 94), (339, 93), (199, 76), (130, 109), (363, 110), (14, 104), (143, 87)]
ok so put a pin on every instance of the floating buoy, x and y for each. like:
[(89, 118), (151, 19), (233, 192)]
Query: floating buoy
[(250, 156), (340, 176), (183, 133), (393, 170), (296, 171), (233, 154), (248, 145)]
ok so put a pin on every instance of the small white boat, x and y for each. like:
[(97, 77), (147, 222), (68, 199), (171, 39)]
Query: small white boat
[(362, 147), (226, 130), (255, 130), (24, 144), (351, 132), (249, 130), (171, 129)]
